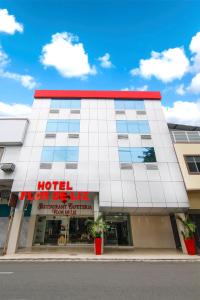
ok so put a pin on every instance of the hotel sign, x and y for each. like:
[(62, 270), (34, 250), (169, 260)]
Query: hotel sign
[(56, 190)]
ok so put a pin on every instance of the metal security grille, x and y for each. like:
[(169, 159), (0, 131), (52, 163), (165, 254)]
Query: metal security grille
[(141, 112), (75, 111), (54, 111), (126, 166), (50, 135), (120, 112), (185, 136), (122, 136), (151, 167), (146, 137), (45, 166), (71, 166), (73, 135)]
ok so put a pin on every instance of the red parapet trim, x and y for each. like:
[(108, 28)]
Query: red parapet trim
[(77, 94)]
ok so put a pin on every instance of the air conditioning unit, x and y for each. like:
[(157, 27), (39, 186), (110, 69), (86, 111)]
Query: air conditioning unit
[(8, 167)]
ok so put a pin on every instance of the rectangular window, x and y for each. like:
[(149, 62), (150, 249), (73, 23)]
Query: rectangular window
[(129, 104), (137, 154), (59, 154), (193, 163), (63, 126), (66, 103), (133, 126)]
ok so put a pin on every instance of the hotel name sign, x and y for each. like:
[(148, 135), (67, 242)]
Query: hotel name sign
[(50, 192), (54, 190)]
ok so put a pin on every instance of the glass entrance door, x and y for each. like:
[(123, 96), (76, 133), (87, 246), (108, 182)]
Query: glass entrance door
[(52, 232), (119, 231)]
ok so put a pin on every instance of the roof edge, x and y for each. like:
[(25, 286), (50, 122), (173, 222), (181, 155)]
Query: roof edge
[(93, 94)]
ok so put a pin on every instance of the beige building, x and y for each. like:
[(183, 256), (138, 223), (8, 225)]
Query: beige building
[(187, 147)]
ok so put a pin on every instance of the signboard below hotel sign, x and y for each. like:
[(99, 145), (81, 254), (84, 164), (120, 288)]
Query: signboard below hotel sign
[(68, 209)]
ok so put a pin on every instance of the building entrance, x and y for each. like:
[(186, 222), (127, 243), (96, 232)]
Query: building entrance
[(118, 233)]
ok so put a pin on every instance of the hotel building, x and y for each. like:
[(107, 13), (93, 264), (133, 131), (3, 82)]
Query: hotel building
[(114, 146)]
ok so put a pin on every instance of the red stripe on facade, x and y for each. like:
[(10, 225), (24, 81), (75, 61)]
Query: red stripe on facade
[(77, 94)]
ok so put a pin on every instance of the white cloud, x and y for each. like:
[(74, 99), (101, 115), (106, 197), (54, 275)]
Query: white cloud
[(67, 56), (180, 90), (26, 80), (133, 88), (195, 43), (105, 61), (166, 66), (195, 49), (183, 112), (14, 109), (8, 23), (195, 84)]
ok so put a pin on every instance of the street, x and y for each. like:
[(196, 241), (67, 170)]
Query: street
[(99, 280)]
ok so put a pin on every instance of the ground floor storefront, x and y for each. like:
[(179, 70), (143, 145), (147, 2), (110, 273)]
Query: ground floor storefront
[(64, 225)]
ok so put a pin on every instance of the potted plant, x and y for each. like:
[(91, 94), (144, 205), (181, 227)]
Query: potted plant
[(188, 235), (96, 229)]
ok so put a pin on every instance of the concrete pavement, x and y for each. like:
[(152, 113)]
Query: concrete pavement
[(110, 254)]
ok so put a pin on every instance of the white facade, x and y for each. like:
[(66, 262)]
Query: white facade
[(98, 164)]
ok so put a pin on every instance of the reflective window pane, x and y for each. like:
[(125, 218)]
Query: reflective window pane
[(51, 126), (74, 126), (59, 154), (137, 154), (124, 155), (122, 126), (119, 104), (47, 154)]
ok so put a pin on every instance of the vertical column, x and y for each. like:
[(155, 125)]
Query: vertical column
[(180, 228), (16, 227), (31, 225)]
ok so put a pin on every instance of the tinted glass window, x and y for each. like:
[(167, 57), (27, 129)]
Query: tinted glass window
[(66, 103), (137, 154), (129, 104), (59, 154), (193, 163), (63, 126), (133, 127)]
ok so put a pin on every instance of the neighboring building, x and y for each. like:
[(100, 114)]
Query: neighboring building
[(187, 146), (114, 145), (12, 134)]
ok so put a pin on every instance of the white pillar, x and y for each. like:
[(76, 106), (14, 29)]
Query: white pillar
[(31, 225), (16, 227), (96, 206), (180, 228)]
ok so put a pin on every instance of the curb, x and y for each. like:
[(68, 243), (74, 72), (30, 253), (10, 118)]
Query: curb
[(98, 260)]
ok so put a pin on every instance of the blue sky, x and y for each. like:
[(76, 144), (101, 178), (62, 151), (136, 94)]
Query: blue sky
[(93, 44)]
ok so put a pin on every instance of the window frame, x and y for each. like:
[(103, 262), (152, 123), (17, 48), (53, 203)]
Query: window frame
[(186, 163)]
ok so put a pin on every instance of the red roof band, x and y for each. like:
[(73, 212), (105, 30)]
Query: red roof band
[(77, 94)]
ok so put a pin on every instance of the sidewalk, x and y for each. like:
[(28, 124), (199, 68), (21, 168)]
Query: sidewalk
[(110, 254)]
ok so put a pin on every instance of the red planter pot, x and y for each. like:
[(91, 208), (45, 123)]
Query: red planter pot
[(98, 246), (190, 246)]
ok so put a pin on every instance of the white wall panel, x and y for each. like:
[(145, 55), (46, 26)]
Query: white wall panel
[(157, 192), (113, 154), (129, 192), (83, 139), (143, 192), (83, 154), (114, 171), (140, 172), (116, 192), (105, 191), (84, 126)]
